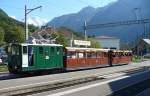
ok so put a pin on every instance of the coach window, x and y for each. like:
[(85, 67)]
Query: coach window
[(71, 55), (84, 54), (93, 55), (68, 54), (80, 55), (101, 54), (89, 55), (113, 55), (105, 54), (130, 54), (126, 54)]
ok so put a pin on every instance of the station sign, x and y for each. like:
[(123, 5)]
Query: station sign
[(82, 43)]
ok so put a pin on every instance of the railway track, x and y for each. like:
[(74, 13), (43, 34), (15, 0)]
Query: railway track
[(133, 90), (67, 83), (7, 76)]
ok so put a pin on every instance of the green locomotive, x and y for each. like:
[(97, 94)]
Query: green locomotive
[(34, 57)]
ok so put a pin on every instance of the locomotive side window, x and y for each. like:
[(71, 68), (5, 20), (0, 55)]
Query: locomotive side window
[(41, 50), (58, 50), (15, 50), (52, 50), (24, 49)]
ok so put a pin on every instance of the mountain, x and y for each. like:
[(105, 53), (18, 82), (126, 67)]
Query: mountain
[(12, 30), (74, 21), (122, 10)]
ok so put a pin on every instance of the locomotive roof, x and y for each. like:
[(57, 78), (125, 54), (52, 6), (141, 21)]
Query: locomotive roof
[(86, 49), (25, 44)]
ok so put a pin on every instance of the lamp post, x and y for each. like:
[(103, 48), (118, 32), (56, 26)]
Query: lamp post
[(27, 11)]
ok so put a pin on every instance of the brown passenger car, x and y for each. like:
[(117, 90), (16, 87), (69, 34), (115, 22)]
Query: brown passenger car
[(82, 58)]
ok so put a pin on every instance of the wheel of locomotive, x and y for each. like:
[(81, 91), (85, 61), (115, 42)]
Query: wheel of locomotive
[(11, 70)]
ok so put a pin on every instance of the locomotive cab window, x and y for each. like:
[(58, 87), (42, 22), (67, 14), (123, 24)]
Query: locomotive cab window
[(24, 49), (15, 50), (30, 55)]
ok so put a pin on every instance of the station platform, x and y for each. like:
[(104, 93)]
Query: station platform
[(16, 84)]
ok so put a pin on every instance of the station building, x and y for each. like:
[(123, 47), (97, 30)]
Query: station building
[(108, 42), (143, 46)]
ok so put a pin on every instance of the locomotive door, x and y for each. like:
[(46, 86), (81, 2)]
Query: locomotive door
[(40, 57), (53, 58), (47, 57)]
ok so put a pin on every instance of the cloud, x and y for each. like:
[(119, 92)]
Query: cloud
[(14, 17), (37, 21)]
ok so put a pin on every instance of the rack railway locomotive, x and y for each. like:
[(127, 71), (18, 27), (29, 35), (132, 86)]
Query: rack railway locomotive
[(24, 58)]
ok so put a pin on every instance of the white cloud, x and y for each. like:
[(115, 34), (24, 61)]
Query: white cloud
[(14, 17), (37, 21)]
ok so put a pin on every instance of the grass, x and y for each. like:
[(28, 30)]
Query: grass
[(137, 59), (3, 68)]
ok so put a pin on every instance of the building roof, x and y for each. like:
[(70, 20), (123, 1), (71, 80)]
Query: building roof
[(105, 37), (147, 41)]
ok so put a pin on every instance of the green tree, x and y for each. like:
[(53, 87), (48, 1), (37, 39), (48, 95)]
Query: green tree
[(94, 43), (14, 34), (1, 35), (61, 40)]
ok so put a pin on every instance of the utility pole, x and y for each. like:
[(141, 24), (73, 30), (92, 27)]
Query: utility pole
[(71, 42), (137, 18), (27, 11), (85, 30)]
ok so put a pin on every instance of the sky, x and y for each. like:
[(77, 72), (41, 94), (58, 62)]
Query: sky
[(50, 8)]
